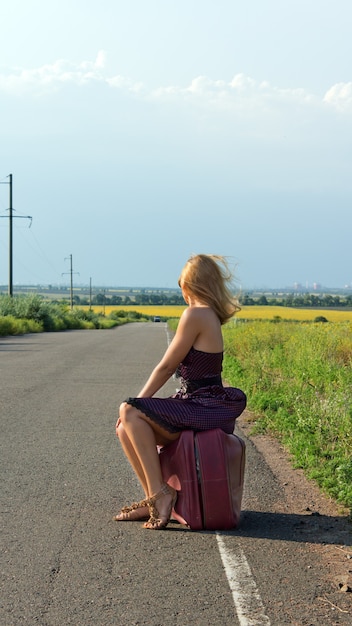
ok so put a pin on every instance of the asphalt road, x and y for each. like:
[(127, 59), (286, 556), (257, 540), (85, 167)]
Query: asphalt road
[(65, 561)]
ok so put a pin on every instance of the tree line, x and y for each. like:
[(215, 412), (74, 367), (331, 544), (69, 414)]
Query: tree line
[(300, 301), (307, 300)]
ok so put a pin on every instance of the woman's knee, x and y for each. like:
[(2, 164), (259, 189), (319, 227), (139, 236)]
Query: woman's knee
[(121, 423), (122, 408), (127, 411)]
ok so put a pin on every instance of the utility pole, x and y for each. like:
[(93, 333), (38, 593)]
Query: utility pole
[(10, 238), (11, 216), (71, 272)]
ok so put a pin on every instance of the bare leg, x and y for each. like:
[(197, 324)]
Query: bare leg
[(131, 456), (144, 435), (136, 511)]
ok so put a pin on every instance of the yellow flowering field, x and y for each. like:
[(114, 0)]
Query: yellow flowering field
[(290, 313), (162, 311), (247, 312)]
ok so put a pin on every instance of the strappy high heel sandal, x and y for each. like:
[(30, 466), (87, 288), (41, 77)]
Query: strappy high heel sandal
[(127, 512), (155, 522)]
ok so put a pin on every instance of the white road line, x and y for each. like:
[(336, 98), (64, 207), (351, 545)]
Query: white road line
[(168, 334), (248, 603)]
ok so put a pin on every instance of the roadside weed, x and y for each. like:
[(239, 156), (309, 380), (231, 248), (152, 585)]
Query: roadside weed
[(298, 379)]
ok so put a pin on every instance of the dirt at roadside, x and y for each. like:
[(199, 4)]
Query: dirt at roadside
[(303, 497)]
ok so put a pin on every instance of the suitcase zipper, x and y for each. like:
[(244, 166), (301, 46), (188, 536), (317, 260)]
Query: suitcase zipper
[(197, 462)]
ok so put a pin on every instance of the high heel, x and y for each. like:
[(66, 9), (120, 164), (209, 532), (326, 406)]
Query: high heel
[(155, 521), (126, 513)]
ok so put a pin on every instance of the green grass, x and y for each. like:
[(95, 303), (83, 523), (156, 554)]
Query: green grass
[(298, 380), (33, 313)]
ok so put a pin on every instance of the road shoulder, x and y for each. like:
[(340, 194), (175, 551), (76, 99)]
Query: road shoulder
[(303, 497)]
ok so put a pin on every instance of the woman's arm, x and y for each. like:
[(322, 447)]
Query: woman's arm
[(186, 334)]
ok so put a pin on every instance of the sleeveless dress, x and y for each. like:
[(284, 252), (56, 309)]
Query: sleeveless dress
[(201, 403)]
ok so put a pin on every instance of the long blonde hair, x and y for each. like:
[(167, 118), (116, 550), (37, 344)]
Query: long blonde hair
[(207, 276)]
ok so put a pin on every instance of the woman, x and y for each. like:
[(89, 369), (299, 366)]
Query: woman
[(202, 403)]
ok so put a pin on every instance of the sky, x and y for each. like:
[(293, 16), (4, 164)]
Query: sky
[(139, 133)]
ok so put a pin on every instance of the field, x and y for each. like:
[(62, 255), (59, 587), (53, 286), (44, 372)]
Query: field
[(247, 312), (298, 380), (288, 313), (161, 311)]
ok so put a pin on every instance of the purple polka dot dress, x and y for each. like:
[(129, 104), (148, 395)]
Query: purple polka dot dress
[(201, 403)]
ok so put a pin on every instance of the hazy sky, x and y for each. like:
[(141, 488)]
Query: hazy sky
[(139, 132)]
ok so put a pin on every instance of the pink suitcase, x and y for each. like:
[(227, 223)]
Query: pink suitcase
[(207, 470)]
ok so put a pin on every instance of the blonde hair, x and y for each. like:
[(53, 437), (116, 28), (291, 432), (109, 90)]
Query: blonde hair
[(207, 276)]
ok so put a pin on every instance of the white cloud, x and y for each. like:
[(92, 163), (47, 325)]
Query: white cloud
[(243, 83), (100, 61), (52, 76), (203, 84), (241, 92), (239, 88), (340, 96), (121, 82)]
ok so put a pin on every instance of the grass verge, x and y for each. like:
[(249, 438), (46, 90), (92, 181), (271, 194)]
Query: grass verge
[(29, 314), (298, 379)]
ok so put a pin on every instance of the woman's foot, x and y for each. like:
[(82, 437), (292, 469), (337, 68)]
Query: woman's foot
[(137, 511), (160, 508)]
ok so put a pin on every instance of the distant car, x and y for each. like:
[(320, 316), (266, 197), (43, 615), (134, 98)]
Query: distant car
[(157, 318)]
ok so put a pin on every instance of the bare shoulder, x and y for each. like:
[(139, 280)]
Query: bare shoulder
[(199, 313), (199, 318), (191, 317), (196, 317)]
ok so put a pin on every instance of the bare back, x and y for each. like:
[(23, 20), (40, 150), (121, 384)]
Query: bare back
[(209, 338)]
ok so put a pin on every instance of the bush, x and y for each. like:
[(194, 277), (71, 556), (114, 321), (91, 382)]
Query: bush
[(320, 318), (21, 314), (9, 325)]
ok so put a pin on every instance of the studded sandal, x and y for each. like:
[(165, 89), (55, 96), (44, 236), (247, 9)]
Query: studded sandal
[(127, 512), (155, 521)]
